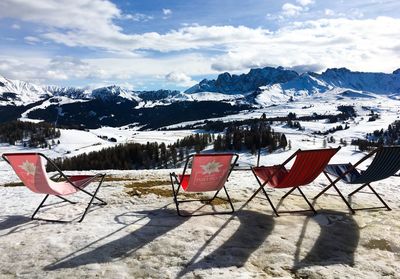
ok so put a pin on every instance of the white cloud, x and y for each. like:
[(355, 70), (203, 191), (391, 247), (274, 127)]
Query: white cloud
[(329, 12), (359, 44), (305, 2), (180, 78), (167, 11), (43, 70), (31, 39), (290, 10), (138, 17), (15, 26)]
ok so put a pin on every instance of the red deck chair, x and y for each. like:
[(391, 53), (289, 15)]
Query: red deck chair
[(209, 172), (31, 169), (307, 166)]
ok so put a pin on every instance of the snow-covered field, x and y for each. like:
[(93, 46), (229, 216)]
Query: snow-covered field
[(141, 236)]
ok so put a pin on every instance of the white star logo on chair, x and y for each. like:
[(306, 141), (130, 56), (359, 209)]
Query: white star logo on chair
[(29, 167), (211, 167)]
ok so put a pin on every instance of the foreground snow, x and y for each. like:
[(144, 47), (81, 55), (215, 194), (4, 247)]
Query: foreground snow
[(142, 237)]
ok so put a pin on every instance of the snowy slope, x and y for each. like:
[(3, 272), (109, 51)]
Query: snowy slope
[(16, 92)]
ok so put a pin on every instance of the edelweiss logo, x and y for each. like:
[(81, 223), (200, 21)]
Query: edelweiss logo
[(212, 167), (29, 167)]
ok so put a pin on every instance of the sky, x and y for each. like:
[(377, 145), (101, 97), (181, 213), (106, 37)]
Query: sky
[(174, 44)]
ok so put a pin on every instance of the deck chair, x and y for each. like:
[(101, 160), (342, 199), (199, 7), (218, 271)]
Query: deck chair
[(209, 172), (306, 167), (386, 163), (30, 168)]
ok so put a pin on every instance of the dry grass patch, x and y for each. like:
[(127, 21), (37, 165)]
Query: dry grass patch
[(157, 187), (219, 201), (162, 188), (110, 178), (13, 184), (380, 244)]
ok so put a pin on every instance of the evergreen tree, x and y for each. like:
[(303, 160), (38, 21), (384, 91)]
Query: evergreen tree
[(283, 142)]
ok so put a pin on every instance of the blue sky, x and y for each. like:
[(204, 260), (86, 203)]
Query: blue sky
[(153, 44)]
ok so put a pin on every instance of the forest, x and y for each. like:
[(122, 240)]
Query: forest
[(155, 155), (28, 133), (390, 136)]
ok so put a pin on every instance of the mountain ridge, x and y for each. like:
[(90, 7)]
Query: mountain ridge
[(261, 87)]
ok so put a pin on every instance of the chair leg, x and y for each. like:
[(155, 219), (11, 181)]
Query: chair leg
[(376, 194), (102, 202), (379, 197), (216, 193), (176, 201), (37, 209), (358, 189), (344, 199), (92, 198), (255, 194), (229, 199), (66, 200), (288, 193), (270, 202), (309, 204), (175, 193), (326, 188)]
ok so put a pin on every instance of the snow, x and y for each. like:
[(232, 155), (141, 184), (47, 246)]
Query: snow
[(143, 237), (47, 103)]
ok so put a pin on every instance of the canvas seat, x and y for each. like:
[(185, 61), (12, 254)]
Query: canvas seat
[(209, 173), (386, 163), (31, 169), (306, 167)]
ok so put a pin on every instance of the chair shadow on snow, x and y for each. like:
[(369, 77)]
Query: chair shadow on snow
[(336, 243), (161, 221), (253, 230), (12, 221)]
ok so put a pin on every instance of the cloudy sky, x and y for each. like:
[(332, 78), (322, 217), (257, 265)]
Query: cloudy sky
[(152, 44)]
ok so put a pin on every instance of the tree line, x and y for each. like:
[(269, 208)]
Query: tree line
[(127, 156), (251, 137), (159, 155), (28, 133), (292, 120), (390, 136)]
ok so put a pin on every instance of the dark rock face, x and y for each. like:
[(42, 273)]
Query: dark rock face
[(239, 84)]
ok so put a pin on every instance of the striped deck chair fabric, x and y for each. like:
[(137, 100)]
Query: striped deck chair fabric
[(386, 163)]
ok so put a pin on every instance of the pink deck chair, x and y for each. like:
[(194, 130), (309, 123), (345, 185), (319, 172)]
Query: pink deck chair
[(209, 172), (31, 169), (308, 165)]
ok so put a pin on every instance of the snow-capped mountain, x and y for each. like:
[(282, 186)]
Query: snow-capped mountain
[(16, 92), (244, 83), (113, 93), (270, 86), (227, 94), (379, 83)]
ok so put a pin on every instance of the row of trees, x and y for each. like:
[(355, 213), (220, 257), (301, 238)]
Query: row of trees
[(251, 138), (137, 156), (28, 133), (391, 136), (155, 155), (292, 120), (332, 130)]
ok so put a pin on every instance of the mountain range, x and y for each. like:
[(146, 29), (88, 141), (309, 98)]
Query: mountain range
[(227, 94)]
